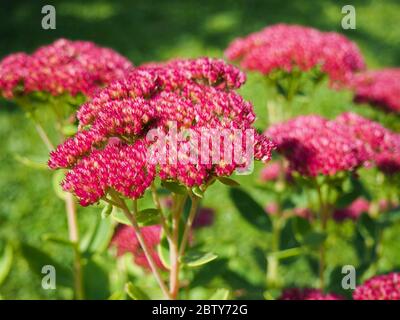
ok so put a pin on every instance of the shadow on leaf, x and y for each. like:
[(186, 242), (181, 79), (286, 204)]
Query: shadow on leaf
[(250, 210)]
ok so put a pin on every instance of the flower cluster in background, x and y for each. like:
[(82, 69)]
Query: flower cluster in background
[(380, 87), (353, 211), (285, 47), (125, 240), (62, 67), (314, 145), (381, 144), (382, 287), (308, 294)]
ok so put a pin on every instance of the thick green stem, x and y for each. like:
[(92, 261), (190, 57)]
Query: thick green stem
[(324, 217), (273, 259)]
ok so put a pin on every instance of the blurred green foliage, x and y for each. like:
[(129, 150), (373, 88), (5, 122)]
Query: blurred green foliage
[(146, 30)]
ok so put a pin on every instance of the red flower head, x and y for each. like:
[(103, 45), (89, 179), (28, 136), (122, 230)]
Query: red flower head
[(125, 241), (63, 67), (284, 47), (141, 112), (271, 172), (271, 208), (381, 144), (314, 145), (308, 294), (383, 287), (380, 87), (205, 217), (353, 211)]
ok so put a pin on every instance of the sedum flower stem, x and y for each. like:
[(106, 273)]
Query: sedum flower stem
[(272, 259), (43, 135), (132, 218), (70, 206), (156, 201), (324, 216), (174, 256), (189, 223)]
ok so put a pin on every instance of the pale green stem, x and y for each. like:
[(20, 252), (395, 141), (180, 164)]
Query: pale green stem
[(132, 219)]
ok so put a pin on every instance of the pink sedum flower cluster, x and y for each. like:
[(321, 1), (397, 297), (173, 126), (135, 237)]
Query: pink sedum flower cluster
[(285, 46), (271, 172), (112, 148), (204, 218), (381, 144), (382, 287), (126, 241), (353, 211), (314, 145), (380, 87), (62, 67), (308, 294)]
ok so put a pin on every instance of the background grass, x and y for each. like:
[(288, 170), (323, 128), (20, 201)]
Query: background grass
[(146, 30)]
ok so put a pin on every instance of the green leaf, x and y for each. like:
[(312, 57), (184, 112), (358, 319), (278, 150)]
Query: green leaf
[(367, 227), (272, 294), (117, 295), (98, 236), (58, 177), (135, 292), (301, 227), (69, 130), (288, 253), (387, 218), (38, 258), (106, 211), (148, 217), (96, 278), (228, 181), (5, 262), (119, 216), (314, 239), (195, 258), (56, 239), (220, 294), (250, 210), (198, 192), (163, 251), (41, 165), (173, 187)]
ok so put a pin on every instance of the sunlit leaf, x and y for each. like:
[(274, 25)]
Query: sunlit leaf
[(173, 187), (135, 292), (196, 258), (228, 181), (220, 294), (6, 262), (58, 177)]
